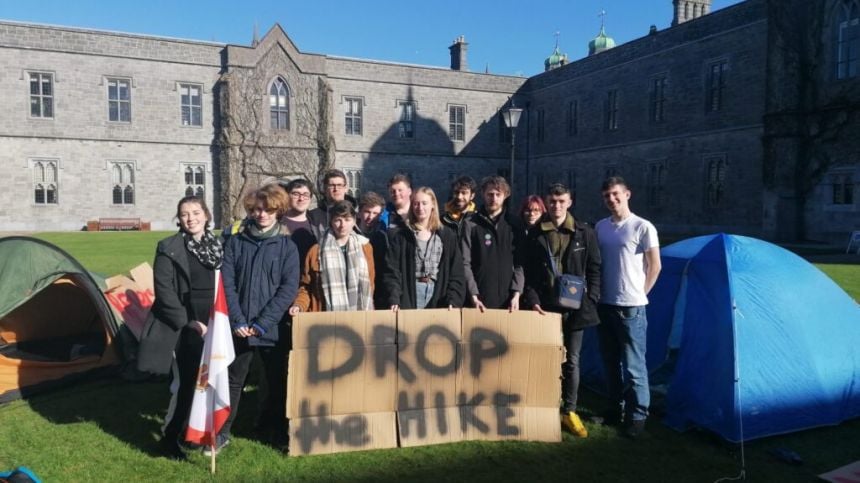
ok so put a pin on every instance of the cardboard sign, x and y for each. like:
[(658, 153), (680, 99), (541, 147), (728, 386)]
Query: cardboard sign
[(132, 299), (424, 376)]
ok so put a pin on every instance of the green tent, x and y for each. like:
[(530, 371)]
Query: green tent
[(55, 323)]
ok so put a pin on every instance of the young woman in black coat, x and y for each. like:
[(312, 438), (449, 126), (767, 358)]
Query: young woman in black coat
[(184, 276), (423, 266)]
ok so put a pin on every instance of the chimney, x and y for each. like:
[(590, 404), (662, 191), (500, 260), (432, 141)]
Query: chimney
[(689, 9), (458, 54)]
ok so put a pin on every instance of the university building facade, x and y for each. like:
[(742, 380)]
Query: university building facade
[(742, 120)]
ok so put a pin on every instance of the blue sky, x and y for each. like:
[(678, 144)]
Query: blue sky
[(509, 36)]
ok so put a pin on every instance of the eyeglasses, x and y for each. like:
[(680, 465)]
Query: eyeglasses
[(300, 196), (336, 186)]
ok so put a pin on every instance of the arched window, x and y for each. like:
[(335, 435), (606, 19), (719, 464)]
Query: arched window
[(279, 104), (45, 182), (122, 183), (848, 40), (194, 177)]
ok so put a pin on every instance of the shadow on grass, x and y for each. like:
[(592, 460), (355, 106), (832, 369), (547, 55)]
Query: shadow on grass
[(132, 412)]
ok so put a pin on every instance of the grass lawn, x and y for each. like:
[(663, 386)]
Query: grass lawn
[(107, 430)]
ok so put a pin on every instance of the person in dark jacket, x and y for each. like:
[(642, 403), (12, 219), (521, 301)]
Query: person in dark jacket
[(370, 206), (570, 245), (261, 278), (461, 203), (335, 188), (423, 266), (531, 211), (491, 243), (394, 214), (305, 229), (184, 278)]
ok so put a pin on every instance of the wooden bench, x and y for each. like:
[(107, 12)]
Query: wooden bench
[(119, 224)]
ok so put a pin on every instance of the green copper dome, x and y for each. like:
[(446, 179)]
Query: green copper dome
[(600, 43), (556, 59)]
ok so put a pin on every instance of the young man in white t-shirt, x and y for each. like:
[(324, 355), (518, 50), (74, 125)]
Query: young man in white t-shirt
[(630, 253)]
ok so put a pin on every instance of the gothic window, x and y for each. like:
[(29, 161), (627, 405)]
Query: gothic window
[(406, 125), (715, 180), (612, 110), (658, 99), (843, 189), (41, 95), (122, 183), (353, 179), (848, 40), (716, 85), (457, 123), (572, 118), (279, 104), (353, 115), (194, 180), (191, 104), (45, 182), (656, 180), (119, 100)]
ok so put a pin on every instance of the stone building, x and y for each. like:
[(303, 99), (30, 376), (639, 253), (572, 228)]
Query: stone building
[(742, 119)]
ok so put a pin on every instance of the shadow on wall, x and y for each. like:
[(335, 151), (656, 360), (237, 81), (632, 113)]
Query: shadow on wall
[(424, 149)]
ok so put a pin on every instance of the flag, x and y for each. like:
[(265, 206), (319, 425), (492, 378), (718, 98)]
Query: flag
[(211, 404)]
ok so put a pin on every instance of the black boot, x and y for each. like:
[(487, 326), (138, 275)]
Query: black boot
[(170, 448)]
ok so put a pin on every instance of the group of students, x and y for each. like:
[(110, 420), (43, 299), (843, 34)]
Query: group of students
[(285, 258)]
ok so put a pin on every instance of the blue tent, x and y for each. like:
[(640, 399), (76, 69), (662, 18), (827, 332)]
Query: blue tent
[(765, 342)]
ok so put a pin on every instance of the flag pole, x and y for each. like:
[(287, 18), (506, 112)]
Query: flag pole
[(213, 440)]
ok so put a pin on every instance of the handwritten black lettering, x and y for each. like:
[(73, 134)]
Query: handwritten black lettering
[(497, 348)]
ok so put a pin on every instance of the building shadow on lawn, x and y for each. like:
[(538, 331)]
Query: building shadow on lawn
[(132, 412)]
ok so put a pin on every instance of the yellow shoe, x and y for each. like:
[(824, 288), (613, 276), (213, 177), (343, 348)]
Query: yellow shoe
[(571, 422)]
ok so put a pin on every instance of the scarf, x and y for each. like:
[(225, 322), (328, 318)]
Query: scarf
[(345, 279), (456, 215), (256, 233), (208, 250)]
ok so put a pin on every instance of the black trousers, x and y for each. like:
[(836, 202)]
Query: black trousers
[(570, 366), (188, 352), (274, 406)]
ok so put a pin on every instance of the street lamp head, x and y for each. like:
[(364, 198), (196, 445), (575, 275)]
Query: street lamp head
[(512, 117)]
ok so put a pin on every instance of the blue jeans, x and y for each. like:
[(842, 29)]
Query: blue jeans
[(423, 293), (622, 335)]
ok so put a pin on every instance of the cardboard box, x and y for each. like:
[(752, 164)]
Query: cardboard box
[(131, 299), (336, 369), (520, 327), (432, 425), (526, 375), (340, 434), (372, 327), (357, 380)]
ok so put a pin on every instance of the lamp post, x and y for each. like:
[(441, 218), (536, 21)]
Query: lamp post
[(512, 117)]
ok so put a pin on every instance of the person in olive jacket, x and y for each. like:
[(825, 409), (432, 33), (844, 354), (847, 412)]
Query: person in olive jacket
[(261, 277), (572, 246), (184, 279), (423, 266)]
